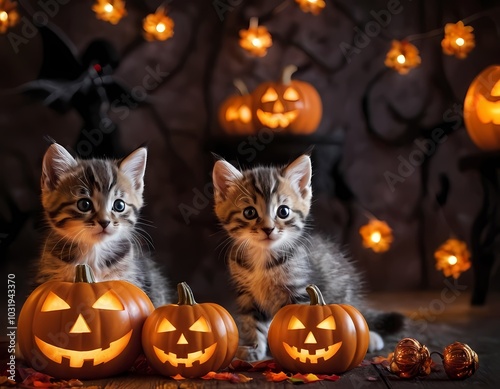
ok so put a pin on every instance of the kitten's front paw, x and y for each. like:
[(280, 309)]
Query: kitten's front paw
[(376, 342), (250, 353)]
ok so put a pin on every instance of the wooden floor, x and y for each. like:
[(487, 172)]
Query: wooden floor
[(438, 321)]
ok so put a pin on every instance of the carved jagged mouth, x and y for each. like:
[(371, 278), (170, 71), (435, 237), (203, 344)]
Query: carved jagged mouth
[(308, 356), (77, 358), (274, 120), (201, 356)]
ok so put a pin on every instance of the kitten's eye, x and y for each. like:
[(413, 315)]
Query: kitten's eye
[(250, 213), (119, 205), (283, 212), (84, 205)]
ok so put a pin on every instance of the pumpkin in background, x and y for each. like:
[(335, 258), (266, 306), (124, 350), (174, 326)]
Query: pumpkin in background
[(288, 104), (410, 359), (460, 361), (482, 109), (318, 338), (189, 339), (84, 329), (235, 113)]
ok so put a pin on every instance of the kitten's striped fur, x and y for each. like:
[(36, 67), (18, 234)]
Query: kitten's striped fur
[(92, 210), (273, 258)]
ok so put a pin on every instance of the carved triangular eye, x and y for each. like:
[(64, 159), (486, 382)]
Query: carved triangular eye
[(200, 325), (231, 114), (54, 303), (166, 326), (245, 114), (328, 324), (270, 95), (291, 94), (295, 324), (109, 301)]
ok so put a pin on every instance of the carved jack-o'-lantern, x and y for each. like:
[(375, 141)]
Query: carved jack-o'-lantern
[(290, 104), (318, 338), (189, 339), (84, 329), (482, 109), (235, 113)]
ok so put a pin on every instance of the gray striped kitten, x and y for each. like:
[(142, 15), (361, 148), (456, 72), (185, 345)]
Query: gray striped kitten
[(92, 211), (273, 257)]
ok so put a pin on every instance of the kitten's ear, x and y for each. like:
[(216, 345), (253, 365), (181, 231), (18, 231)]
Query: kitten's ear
[(224, 175), (56, 161), (134, 167), (299, 172)]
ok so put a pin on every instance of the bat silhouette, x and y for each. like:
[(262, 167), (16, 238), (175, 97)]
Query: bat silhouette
[(86, 83)]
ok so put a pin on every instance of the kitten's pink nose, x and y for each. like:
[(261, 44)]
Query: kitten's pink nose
[(103, 223), (268, 231)]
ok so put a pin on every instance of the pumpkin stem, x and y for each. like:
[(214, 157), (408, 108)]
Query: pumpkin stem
[(438, 353), (83, 273), (315, 295), (240, 85), (286, 77), (185, 293)]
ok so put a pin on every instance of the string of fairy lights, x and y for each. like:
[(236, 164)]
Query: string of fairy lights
[(458, 40)]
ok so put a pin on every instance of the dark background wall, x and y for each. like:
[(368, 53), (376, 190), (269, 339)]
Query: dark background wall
[(372, 118)]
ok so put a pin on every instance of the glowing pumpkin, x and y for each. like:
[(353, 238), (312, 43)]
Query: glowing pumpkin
[(318, 338), (482, 109), (189, 339), (235, 113), (289, 104), (84, 329)]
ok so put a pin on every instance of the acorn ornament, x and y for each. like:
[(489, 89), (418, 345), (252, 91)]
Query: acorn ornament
[(410, 359), (460, 361)]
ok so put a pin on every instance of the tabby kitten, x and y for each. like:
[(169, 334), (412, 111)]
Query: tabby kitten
[(92, 211), (273, 257)]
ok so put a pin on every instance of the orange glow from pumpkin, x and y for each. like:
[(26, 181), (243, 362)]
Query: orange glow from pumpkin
[(243, 113), (110, 10), (158, 26), (200, 356), (452, 258), (54, 303), (312, 357), (80, 326), (77, 358), (458, 39), (376, 235), (402, 57), (9, 16), (256, 40)]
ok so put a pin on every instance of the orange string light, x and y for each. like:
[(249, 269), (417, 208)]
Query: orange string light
[(110, 10)]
